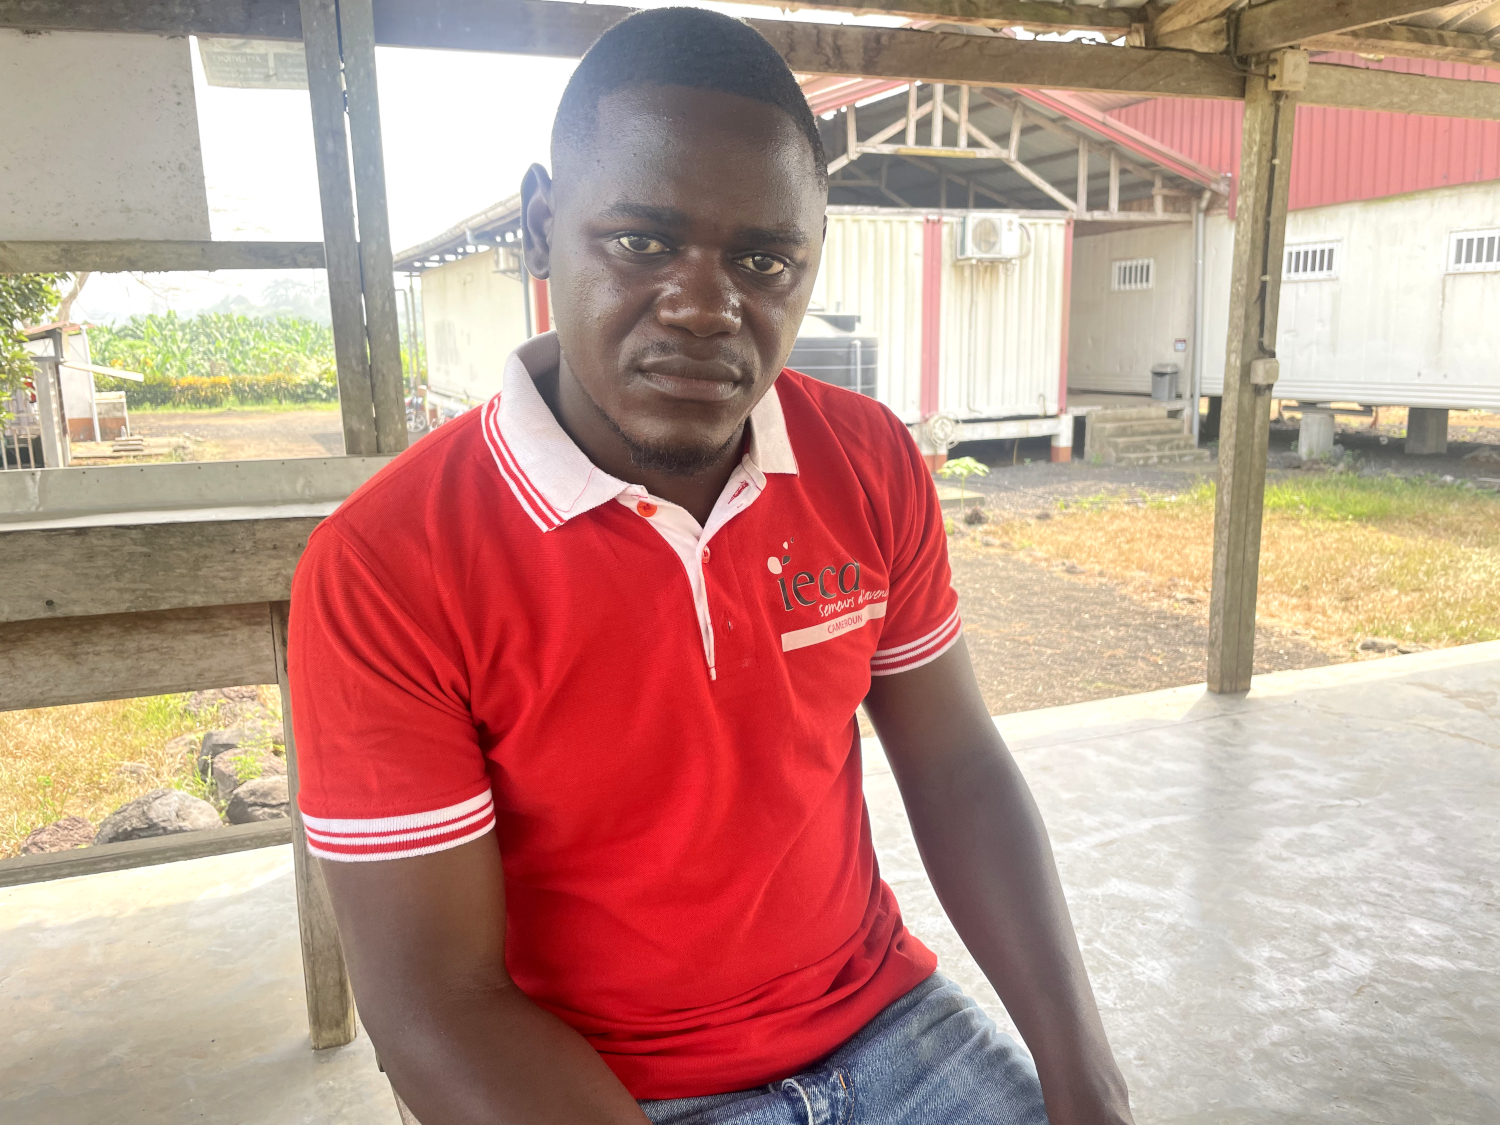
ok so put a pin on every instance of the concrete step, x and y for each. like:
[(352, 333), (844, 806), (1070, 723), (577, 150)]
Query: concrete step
[(1150, 427), (1165, 457), (1128, 414), (1154, 443)]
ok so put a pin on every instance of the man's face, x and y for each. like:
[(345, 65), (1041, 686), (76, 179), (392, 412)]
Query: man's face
[(681, 252)]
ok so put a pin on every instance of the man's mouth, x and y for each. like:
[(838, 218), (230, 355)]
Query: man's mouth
[(691, 381)]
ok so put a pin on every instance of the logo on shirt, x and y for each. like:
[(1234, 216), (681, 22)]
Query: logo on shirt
[(833, 587)]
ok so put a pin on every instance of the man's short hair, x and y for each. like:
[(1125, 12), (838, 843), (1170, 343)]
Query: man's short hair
[(681, 47)]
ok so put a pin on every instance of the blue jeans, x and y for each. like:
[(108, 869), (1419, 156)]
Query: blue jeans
[(931, 1058)]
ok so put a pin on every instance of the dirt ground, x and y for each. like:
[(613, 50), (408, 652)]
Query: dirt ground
[(1041, 637), (243, 435)]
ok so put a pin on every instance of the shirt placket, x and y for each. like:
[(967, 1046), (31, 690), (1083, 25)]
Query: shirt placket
[(691, 543)]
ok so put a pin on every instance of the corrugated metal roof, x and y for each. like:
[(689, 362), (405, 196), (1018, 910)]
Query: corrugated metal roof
[(1340, 155)]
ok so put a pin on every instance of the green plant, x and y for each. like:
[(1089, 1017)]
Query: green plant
[(25, 298), (963, 468), (216, 358)]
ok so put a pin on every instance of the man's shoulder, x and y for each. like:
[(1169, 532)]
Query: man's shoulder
[(863, 427), (439, 478)]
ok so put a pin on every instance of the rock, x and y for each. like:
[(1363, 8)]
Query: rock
[(59, 836), (183, 746), (231, 707), (1072, 568), (1378, 644), (1485, 455), (238, 767), (1406, 648), (133, 771), (245, 739), (975, 516), (265, 798), (988, 541), (1044, 515), (161, 812)]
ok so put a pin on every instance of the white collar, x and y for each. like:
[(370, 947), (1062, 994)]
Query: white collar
[(551, 477)]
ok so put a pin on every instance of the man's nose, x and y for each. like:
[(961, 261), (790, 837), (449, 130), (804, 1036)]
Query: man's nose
[(702, 297)]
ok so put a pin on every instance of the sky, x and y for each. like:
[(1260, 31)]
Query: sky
[(459, 130)]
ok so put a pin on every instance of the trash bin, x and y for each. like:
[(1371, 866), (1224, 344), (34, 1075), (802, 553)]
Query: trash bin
[(1164, 382)]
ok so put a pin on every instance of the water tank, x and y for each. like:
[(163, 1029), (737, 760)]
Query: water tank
[(831, 348)]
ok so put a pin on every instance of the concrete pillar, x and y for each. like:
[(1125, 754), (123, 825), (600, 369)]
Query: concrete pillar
[(1315, 438), (1426, 431)]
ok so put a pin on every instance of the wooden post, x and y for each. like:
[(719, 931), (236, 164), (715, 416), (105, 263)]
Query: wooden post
[(963, 117), (377, 270), (330, 1000), (1083, 176), (1254, 296), (325, 89), (911, 115), (1114, 181), (937, 115)]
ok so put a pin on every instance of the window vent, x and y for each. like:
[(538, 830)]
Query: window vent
[(1313, 261), (1474, 251), (1133, 273)]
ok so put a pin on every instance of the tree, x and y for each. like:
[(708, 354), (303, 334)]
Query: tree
[(25, 299)]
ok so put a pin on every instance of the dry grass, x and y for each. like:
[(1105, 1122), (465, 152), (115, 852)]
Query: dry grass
[(89, 759), (1342, 557)]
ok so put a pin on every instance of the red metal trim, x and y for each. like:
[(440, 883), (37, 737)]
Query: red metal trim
[(1122, 134), (1067, 308), (543, 307), (932, 311)]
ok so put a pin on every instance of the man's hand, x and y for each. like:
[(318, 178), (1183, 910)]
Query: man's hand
[(986, 851), (425, 942)]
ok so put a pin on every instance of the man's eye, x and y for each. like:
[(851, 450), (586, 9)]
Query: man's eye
[(641, 244), (763, 264)]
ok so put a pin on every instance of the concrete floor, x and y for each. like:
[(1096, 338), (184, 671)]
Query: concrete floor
[(1287, 902)]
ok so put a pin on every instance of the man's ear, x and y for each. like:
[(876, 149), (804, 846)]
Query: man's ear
[(536, 221)]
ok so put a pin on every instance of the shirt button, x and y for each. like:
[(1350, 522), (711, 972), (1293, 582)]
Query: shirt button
[(645, 508), (705, 554)]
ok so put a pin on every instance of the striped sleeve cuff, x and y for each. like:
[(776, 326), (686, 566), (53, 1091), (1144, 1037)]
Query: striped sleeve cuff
[(903, 658), (397, 837)]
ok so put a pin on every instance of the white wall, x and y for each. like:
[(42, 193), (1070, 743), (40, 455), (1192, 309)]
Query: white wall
[(1394, 328), (473, 318), (100, 138), (1001, 322), (1115, 338)]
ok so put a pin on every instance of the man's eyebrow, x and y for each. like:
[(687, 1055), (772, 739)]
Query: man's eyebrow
[(644, 213), (773, 236)]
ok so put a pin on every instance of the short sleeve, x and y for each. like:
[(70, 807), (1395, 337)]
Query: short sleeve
[(388, 759), (922, 619)]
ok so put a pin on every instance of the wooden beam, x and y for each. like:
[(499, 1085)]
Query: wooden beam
[(1036, 181), (124, 655), (1210, 38), (330, 998), (148, 567), (152, 256), (1082, 190), (1352, 87), (1412, 42), (1038, 15), (325, 90), (1188, 13), (377, 271), (548, 27), (1254, 297), (144, 853), (1282, 23)]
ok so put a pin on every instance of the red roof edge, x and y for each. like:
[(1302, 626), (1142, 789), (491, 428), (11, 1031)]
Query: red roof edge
[(1123, 135)]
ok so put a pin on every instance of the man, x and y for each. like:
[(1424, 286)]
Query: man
[(578, 674)]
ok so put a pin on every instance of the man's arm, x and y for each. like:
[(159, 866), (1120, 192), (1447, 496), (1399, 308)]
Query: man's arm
[(425, 942), (986, 851)]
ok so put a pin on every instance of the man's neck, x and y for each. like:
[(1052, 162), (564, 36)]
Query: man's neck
[(591, 432)]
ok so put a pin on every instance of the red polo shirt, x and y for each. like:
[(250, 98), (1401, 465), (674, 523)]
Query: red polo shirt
[(655, 719)]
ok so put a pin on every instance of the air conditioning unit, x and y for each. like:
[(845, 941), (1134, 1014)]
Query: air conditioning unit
[(990, 236)]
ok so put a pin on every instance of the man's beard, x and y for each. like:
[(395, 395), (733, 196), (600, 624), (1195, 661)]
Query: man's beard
[(675, 460)]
